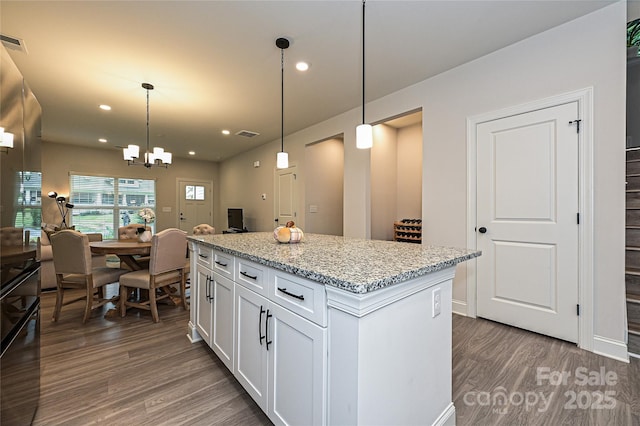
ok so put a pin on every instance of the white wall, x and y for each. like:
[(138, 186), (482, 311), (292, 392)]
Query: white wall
[(324, 167), (587, 52)]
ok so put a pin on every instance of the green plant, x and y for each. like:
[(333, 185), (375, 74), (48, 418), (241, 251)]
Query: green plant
[(633, 33)]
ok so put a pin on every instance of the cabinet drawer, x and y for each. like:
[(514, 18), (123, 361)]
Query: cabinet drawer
[(252, 275), (304, 297), (223, 264), (204, 255)]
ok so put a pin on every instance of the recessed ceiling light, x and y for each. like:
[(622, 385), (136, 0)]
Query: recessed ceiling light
[(105, 107), (302, 66), (226, 132), (102, 140), (192, 153)]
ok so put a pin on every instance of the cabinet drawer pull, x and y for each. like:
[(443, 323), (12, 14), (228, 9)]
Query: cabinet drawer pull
[(266, 329), (249, 276), (203, 256), (297, 296), (262, 311), (224, 265)]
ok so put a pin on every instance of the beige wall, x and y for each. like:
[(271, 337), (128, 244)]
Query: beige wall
[(586, 52), (396, 177), (59, 160), (409, 187), (324, 168), (384, 181)]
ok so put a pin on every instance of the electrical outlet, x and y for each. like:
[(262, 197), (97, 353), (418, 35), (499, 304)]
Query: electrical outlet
[(264, 196), (436, 307)]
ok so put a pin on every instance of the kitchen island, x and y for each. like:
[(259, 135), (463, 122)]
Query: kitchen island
[(332, 330)]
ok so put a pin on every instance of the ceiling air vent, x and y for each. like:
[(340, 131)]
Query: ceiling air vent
[(247, 133), (13, 43)]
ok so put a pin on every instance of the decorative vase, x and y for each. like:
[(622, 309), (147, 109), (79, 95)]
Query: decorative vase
[(145, 236)]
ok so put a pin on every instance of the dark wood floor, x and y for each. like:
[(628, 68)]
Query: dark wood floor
[(131, 371), (125, 371)]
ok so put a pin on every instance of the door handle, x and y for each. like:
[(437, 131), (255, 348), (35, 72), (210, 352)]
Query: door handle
[(482, 230), (262, 311), (207, 289), (266, 329)]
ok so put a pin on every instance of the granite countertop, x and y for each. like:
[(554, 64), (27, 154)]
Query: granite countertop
[(352, 264)]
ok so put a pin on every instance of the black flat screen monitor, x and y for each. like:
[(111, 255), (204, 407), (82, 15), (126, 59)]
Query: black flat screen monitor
[(235, 219)]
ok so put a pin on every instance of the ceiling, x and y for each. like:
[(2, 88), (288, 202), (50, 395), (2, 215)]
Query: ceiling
[(215, 66)]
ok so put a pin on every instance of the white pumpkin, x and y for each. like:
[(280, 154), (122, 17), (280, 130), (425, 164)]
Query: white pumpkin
[(288, 234)]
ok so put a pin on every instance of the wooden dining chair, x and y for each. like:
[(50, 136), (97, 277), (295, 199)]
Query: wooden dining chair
[(202, 229), (73, 266), (166, 268)]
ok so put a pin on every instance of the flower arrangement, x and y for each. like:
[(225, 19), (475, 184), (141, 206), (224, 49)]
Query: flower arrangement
[(147, 215)]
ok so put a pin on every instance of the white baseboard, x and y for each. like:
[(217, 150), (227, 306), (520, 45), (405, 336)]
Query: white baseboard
[(447, 417), (459, 307), (610, 348)]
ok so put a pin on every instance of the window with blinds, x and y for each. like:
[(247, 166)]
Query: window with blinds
[(103, 204), (28, 199)]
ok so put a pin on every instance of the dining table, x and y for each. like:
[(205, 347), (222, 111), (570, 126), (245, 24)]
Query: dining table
[(127, 250)]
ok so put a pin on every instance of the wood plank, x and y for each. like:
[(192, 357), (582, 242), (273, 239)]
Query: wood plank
[(132, 371)]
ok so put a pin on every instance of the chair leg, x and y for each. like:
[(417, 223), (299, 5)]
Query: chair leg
[(153, 305), (89, 302), (123, 300), (59, 298), (183, 293)]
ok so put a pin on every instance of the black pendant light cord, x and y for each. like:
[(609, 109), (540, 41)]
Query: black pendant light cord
[(282, 99), (363, 100)]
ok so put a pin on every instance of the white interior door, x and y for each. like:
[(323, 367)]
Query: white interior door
[(527, 221), (195, 204), (285, 195)]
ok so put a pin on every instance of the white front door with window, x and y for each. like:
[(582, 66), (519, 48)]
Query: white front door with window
[(195, 204), (527, 223)]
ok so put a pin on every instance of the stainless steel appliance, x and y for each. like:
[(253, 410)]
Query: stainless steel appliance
[(20, 346)]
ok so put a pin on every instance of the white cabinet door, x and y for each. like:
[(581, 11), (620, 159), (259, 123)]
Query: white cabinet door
[(297, 369), (251, 355), (204, 308), (223, 302)]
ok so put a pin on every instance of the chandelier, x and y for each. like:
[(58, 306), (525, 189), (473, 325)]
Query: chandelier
[(157, 157)]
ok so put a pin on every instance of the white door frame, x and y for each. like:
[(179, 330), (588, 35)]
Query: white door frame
[(584, 97)]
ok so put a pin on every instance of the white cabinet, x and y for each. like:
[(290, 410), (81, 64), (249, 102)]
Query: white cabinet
[(251, 351), (222, 297), (297, 369), (214, 310), (280, 360), (203, 307)]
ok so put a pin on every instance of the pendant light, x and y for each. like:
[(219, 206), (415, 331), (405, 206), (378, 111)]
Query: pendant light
[(282, 159), (157, 157), (364, 132)]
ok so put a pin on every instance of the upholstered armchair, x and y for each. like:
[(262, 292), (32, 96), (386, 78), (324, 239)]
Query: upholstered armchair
[(204, 229), (130, 232), (45, 254), (166, 268), (73, 267)]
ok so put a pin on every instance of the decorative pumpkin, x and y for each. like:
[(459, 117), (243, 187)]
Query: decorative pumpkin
[(288, 234)]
